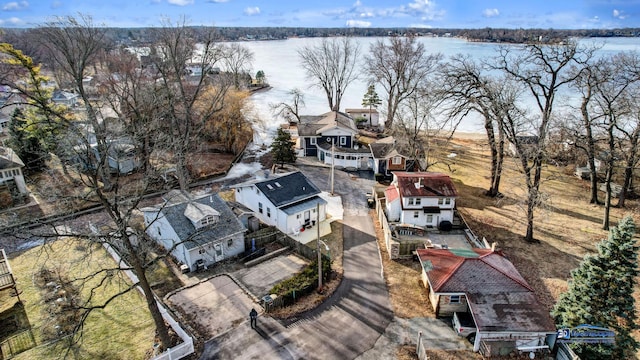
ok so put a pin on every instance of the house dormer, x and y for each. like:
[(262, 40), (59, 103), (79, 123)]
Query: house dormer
[(201, 215)]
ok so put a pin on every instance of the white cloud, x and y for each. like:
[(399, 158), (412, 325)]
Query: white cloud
[(424, 9), (11, 21), (250, 11), (366, 15), (15, 5), (358, 23), (619, 14), (357, 3), (490, 13), (180, 2)]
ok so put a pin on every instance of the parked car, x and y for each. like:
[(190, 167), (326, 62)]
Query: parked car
[(464, 325)]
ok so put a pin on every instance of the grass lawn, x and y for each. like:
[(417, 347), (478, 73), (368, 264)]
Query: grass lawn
[(567, 227), (123, 330)]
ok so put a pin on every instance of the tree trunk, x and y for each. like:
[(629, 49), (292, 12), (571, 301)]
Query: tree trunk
[(158, 320), (607, 200), (497, 156), (528, 237)]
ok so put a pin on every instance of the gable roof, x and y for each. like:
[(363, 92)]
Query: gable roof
[(424, 184), (315, 125), (60, 95), (175, 211), (284, 189), (9, 159), (387, 148), (479, 271)]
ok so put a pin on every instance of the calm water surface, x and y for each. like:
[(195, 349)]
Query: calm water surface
[(281, 64)]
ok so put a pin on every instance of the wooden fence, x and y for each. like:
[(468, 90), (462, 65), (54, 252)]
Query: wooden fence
[(16, 344)]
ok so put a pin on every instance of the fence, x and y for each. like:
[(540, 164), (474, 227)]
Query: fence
[(421, 349), (177, 352), (16, 344)]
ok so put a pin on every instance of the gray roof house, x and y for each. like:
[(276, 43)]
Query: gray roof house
[(11, 170), (287, 201), (198, 231)]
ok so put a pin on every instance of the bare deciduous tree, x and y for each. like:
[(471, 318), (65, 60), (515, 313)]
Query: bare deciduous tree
[(467, 88), (184, 112), (238, 60), (290, 111), (401, 67), (542, 70), (332, 65)]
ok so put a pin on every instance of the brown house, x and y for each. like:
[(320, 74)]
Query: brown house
[(482, 282)]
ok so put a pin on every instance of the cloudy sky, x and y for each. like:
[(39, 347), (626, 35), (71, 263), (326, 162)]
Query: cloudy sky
[(558, 14)]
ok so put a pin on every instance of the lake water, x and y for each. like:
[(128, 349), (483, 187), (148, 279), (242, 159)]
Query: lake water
[(281, 64)]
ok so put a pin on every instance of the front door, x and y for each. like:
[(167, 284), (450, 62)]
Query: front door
[(218, 252), (307, 216)]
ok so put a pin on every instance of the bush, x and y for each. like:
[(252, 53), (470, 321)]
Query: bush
[(302, 283)]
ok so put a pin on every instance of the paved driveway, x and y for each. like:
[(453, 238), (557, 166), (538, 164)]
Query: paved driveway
[(217, 304)]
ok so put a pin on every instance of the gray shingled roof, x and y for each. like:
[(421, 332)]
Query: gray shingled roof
[(227, 225), (309, 125), (287, 189), (9, 159)]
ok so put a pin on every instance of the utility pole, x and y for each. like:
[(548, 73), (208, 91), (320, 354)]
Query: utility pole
[(318, 248), (333, 162)]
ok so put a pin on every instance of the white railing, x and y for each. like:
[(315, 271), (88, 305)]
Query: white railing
[(177, 352)]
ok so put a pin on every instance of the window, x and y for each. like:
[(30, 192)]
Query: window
[(159, 232), (343, 140), (202, 251), (229, 242), (410, 201), (238, 190), (298, 216), (447, 201), (416, 214), (312, 141), (313, 211), (440, 201), (429, 219), (278, 184), (454, 299), (268, 212), (1, 176), (260, 207), (396, 160), (418, 201), (269, 187)]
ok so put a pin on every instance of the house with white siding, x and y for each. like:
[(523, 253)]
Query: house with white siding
[(423, 199), (198, 231), (11, 170), (289, 201)]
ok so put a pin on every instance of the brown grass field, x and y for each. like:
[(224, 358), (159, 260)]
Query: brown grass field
[(567, 226)]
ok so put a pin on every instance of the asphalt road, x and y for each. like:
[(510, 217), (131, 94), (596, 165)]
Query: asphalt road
[(347, 324)]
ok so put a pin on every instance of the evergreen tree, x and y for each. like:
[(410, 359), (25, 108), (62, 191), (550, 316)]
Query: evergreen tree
[(260, 77), (371, 100), (27, 146), (601, 293), (282, 149)]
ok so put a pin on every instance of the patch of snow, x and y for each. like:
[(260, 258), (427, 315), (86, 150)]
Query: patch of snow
[(334, 205), (241, 169), (30, 244)]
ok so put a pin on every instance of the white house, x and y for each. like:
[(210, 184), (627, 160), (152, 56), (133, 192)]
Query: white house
[(199, 231), (371, 115), (420, 198), (11, 169), (64, 98), (287, 201)]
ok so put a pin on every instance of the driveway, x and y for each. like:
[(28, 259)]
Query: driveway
[(217, 304), (347, 324)]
